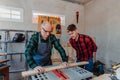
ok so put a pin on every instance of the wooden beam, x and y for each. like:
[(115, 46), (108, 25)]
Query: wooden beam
[(33, 72)]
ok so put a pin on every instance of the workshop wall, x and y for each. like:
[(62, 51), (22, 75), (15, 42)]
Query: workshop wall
[(49, 6), (102, 20)]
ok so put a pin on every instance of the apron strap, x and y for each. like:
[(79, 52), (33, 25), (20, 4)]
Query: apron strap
[(39, 40)]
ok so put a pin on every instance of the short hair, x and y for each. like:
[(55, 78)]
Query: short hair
[(71, 27)]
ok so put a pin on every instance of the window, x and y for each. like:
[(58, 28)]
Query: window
[(36, 14), (11, 14)]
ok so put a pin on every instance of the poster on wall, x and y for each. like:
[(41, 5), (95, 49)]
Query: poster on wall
[(54, 21)]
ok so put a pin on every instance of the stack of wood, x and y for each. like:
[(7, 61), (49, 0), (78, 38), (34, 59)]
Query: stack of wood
[(70, 52)]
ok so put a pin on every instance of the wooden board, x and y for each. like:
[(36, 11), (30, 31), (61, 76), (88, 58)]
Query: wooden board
[(2, 61), (33, 72)]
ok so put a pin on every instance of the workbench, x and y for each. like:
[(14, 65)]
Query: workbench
[(4, 69)]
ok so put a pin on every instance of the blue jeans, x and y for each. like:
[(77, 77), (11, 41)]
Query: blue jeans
[(89, 66)]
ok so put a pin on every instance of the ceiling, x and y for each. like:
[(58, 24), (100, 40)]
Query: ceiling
[(78, 1)]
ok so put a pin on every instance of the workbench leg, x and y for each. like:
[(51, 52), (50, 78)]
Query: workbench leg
[(6, 75)]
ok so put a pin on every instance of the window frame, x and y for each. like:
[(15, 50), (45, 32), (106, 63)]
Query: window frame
[(37, 13), (11, 14)]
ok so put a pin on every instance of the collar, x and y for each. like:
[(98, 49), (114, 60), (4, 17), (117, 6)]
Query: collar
[(41, 38)]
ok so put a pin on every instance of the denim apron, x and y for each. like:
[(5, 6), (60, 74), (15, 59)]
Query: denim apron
[(43, 55)]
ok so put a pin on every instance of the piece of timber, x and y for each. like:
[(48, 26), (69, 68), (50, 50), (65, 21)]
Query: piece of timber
[(3, 54), (2, 61), (33, 72)]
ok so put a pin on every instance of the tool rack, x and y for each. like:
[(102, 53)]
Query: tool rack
[(6, 39)]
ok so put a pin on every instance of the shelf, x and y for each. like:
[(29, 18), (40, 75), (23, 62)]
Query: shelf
[(6, 42), (17, 30), (14, 53), (10, 42)]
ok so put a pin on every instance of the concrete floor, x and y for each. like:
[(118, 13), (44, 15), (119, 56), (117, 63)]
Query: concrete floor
[(16, 76)]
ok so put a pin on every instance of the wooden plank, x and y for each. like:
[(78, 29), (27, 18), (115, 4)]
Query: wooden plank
[(2, 61), (33, 72), (3, 54), (3, 67)]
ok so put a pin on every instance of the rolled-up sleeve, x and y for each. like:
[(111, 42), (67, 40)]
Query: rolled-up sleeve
[(30, 50), (60, 49)]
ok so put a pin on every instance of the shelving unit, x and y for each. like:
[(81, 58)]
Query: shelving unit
[(6, 41)]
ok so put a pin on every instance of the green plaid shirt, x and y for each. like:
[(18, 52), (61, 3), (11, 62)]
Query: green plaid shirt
[(32, 46)]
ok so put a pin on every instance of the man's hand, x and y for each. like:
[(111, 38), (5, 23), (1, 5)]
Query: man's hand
[(65, 64), (39, 69)]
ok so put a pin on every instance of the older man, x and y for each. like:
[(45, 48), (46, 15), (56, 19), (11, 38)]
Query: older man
[(38, 50)]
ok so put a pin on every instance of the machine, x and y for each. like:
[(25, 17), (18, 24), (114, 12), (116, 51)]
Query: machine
[(116, 72)]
